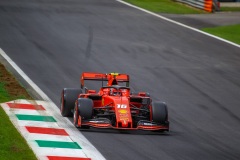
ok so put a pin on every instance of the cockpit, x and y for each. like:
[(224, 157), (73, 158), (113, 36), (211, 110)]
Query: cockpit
[(115, 90)]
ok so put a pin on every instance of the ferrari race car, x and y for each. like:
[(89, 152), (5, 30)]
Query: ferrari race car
[(113, 106)]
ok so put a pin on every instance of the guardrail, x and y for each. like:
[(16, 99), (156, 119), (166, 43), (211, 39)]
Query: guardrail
[(207, 5)]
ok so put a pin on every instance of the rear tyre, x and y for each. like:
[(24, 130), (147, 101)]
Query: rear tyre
[(85, 110), (68, 98), (159, 112)]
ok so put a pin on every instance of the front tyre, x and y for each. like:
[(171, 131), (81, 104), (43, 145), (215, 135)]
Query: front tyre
[(159, 112), (83, 111)]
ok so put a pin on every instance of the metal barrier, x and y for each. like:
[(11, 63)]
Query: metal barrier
[(207, 5)]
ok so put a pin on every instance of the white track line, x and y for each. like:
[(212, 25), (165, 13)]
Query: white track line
[(180, 24), (65, 123)]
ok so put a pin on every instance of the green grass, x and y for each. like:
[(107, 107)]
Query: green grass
[(12, 145), (230, 9), (4, 96), (165, 6), (230, 33)]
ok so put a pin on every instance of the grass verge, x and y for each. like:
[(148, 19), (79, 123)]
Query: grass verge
[(230, 9), (230, 33), (173, 7), (13, 145), (165, 6)]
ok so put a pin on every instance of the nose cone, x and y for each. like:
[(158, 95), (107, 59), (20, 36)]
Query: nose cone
[(124, 118), (123, 113), (125, 123)]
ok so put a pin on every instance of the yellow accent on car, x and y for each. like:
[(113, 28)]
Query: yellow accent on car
[(103, 101), (114, 74), (122, 111)]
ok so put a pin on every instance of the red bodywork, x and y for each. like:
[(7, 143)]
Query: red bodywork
[(115, 107)]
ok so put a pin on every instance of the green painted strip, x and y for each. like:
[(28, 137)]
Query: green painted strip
[(57, 144), (35, 118)]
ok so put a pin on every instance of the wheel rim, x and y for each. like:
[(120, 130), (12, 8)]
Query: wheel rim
[(75, 117), (61, 105)]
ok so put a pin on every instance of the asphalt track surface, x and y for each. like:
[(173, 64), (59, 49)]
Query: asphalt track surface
[(196, 75)]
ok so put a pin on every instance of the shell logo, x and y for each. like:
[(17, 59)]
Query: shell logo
[(122, 111)]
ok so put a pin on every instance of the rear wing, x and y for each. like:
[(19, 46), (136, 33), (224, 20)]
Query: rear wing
[(119, 77)]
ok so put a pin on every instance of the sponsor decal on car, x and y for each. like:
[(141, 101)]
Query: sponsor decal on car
[(122, 111)]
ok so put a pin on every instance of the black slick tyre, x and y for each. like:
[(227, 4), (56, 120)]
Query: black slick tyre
[(159, 112), (85, 110)]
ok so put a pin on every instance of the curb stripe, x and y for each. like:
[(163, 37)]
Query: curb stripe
[(57, 144), (35, 118), (25, 106), (43, 130), (66, 158)]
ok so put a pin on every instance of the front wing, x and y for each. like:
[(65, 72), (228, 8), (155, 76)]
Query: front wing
[(141, 125)]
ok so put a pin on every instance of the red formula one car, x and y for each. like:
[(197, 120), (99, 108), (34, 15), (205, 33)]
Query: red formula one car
[(113, 106)]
